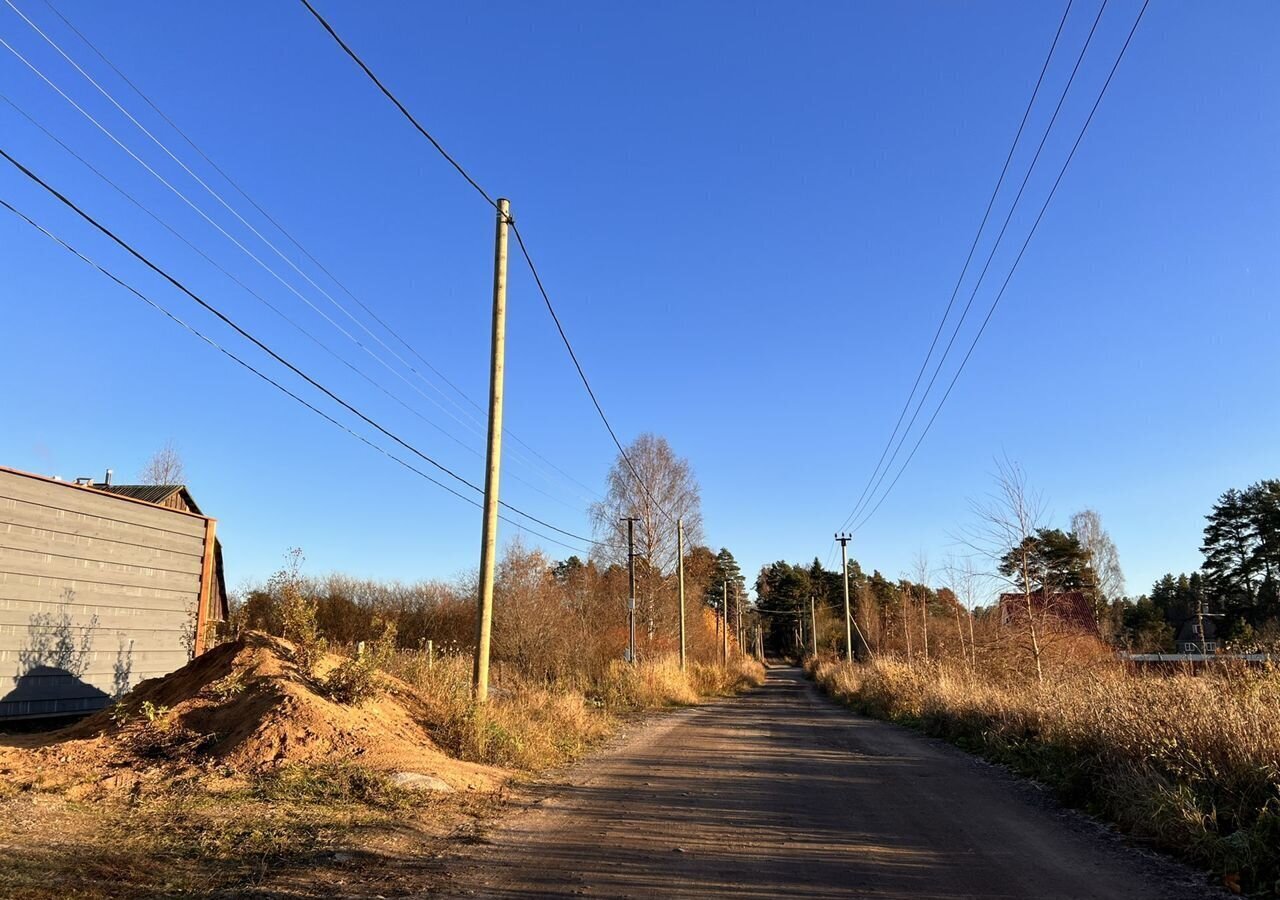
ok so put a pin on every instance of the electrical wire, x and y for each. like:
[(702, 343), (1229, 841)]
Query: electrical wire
[(1026, 114), (400, 106), (519, 240), (264, 301), (994, 248), (273, 354), (1035, 225), (524, 251), (476, 426), (262, 375)]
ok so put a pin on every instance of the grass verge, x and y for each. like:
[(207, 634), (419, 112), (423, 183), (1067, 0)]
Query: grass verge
[(185, 824), (1191, 764)]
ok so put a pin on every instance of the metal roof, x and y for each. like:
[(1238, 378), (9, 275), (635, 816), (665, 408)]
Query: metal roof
[(150, 493), (147, 493)]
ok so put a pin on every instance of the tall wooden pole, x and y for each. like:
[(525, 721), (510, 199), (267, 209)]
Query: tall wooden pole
[(737, 613), (493, 466), (631, 588), (844, 580), (724, 614), (680, 581), (813, 626)]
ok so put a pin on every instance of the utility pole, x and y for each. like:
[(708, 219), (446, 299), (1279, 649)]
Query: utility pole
[(813, 626), (724, 614), (737, 631), (680, 582), (631, 582), (844, 580), (493, 461)]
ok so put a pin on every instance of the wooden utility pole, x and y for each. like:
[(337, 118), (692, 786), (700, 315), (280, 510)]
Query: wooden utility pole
[(737, 611), (813, 626), (631, 589), (844, 580), (493, 466), (680, 582), (724, 614)]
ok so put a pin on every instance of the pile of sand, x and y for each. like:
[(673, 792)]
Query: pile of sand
[(244, 708)]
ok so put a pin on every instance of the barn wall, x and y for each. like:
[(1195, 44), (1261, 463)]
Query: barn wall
[(96, 594)]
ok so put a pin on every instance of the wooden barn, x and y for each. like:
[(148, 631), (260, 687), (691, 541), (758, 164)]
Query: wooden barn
[(101, 586)]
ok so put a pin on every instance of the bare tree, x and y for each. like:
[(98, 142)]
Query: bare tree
[(922, 576), (660, 489), (164, 468), (657, 487), (1005, 534), (1086, 525), (965, 582)]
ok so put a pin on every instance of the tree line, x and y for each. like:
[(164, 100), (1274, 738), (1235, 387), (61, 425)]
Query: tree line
[(553, 618), (1028, 589)]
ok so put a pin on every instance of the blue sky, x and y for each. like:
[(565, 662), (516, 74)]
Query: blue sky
[(750, 217)]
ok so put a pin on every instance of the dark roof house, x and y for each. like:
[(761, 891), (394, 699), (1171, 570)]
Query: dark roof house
[(1190, 640), (1064, 609)]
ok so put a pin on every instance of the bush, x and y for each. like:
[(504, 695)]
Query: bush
[(356, 680)]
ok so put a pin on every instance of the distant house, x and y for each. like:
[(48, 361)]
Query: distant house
[(1190, 640), (101, 586), (1069, 610)]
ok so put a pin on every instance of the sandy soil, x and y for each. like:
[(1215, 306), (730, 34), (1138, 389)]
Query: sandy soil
[(782, 793)]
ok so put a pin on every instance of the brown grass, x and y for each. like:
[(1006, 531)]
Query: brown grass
[(529, 724), (239, 774), (1190, 763)]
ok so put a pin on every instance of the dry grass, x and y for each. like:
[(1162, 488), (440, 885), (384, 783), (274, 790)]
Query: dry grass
[(529, 724), (1192, 763), (139, 811), (300, 831)]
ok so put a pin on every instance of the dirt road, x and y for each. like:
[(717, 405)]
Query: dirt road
[(780, 793)]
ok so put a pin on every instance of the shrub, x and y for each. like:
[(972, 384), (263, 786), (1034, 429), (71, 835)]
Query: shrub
[(356, 680)]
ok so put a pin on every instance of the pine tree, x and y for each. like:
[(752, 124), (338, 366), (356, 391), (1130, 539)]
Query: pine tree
[(1233, 550)]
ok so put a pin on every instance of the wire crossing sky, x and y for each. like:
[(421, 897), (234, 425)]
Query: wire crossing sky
[(749, 220)]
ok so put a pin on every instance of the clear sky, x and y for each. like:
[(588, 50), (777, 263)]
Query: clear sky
[(750, 217)]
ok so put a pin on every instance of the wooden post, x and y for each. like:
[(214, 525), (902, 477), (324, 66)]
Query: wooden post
[(724, 615), (431, 655), (680, 582), (493, 467), (207, 580), (813, 626), (844, 580)]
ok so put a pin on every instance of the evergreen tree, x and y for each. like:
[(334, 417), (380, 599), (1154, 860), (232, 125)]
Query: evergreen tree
[(1058, 563), (1231, 550)]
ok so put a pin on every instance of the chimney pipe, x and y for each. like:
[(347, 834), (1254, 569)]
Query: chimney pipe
[(108, 479)]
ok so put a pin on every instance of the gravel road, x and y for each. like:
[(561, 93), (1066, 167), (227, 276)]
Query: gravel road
[(781, 793)]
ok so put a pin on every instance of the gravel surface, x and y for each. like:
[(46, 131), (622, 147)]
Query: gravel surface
[(781, 793)]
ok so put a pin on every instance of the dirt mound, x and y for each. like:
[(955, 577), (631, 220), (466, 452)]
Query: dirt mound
[(244, 708)]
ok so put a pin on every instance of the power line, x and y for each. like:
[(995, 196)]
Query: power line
[(262, 346), (474, 426), (267, 378), (1017, 260), (519, 240), (964, 314), (302, 249), (251, 292), (400, 106), (524, 251), (965, 268)]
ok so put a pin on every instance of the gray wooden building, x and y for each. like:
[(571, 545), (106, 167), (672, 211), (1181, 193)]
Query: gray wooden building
[(101, 586)]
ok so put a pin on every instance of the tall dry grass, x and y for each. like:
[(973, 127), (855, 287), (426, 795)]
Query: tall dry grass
[(1192, 763), (532, 724)]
